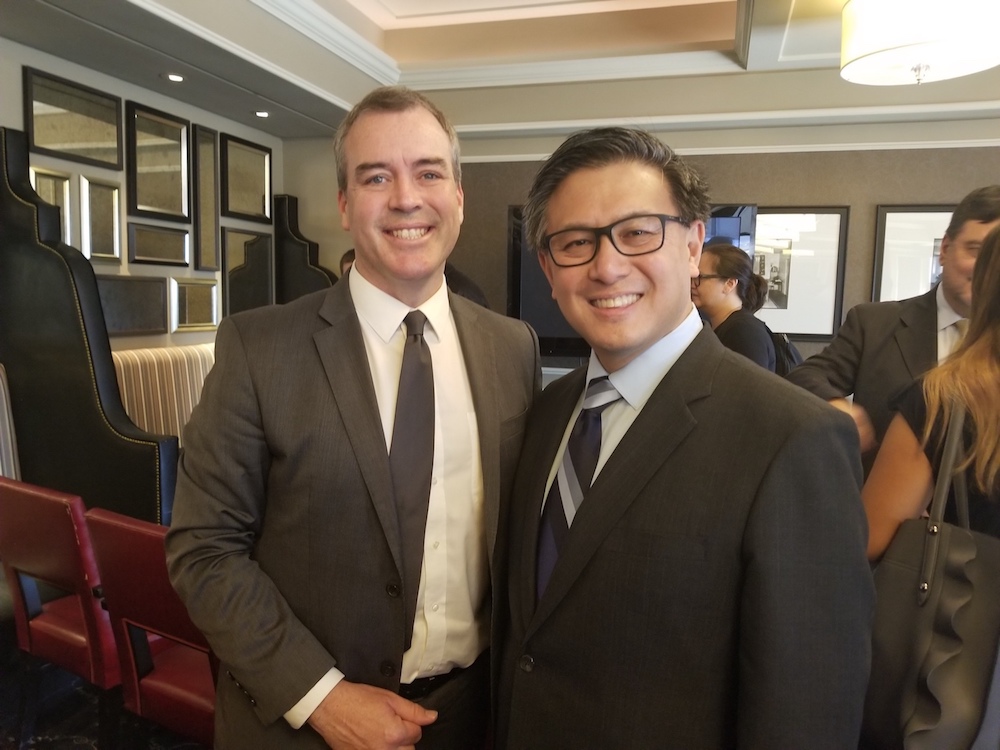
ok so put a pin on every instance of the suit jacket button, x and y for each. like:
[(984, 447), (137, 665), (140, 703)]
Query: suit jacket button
[(387, 668), (526, 663), (392, 590)]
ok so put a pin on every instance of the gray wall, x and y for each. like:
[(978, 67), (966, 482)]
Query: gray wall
[(861, 180)]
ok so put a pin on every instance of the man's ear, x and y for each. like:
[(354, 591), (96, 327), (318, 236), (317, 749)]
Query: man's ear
[(548, 268), (695, 243), (345, 223)]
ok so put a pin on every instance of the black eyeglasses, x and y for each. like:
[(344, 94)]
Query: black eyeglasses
[(696, 281), (636, 235)]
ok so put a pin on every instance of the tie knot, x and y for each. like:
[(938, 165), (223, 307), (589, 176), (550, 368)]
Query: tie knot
[(962, 326), (600, 394), (415, 321)]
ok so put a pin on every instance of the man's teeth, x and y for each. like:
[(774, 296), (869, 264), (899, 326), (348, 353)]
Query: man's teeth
[(409, 234), (620, 301)]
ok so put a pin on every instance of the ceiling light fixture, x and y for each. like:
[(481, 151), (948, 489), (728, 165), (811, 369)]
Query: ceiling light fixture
[(174, 77), (262, 113), (899, 42)]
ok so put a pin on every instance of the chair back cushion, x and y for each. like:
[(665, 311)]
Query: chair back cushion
[(44, 537)]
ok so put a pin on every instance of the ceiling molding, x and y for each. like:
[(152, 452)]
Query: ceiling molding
[(727, 120), (252, 57), (571, 71), (770, 149), (310, 20)]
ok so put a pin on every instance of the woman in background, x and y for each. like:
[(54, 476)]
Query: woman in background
[(728, 293), (902, 478)]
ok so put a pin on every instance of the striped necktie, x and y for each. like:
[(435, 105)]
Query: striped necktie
[(574, 477)]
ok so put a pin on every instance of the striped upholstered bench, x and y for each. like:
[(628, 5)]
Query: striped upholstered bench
[(160, 386)]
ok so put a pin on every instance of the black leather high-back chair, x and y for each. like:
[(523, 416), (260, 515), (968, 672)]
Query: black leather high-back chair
[(73, 434)]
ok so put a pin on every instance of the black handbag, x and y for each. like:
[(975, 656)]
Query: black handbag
[(937, 623)]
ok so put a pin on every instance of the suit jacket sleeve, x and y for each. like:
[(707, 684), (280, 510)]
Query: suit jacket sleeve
[(833, 373), (808, 596), (219, 509)]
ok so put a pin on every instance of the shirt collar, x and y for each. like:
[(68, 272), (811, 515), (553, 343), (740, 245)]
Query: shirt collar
[(384, 313), (637, 380), (946, 316)]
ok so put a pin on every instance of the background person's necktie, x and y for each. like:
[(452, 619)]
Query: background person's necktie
[(962, 326), (411, 456), (575, 475)]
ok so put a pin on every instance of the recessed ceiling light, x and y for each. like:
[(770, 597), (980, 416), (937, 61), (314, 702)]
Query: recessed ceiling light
[(174, 77), (262, 113)]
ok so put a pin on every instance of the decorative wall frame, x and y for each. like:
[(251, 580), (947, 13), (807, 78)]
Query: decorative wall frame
[(206, 200), (248, 275), (133, 305), (70, 121), (246, 179), (195, 304), (801, 252), (907, 249), (54, 188), (158, 164), (161, 245), (100, 220)]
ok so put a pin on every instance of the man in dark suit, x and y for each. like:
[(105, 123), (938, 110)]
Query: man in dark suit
[(290, 540), (709, 588), (883, 346)]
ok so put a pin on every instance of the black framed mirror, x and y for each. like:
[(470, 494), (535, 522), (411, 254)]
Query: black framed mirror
[(206, 186), (246, 179), (164, 246), (158, 164), (70, 121), (248, 275)]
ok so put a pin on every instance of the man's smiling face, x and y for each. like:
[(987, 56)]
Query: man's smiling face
[(403, 205), (622, 304)]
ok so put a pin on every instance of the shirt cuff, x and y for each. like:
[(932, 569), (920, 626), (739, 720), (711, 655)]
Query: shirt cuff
[(301, 711)]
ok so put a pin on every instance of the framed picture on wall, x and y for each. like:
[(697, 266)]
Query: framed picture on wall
[(908, 250), (801, 253)]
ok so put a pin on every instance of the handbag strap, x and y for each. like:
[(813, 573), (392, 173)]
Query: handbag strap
[(945, 476)]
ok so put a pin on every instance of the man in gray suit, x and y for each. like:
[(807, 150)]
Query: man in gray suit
[(883, 346), (709, 588), (289, 533)]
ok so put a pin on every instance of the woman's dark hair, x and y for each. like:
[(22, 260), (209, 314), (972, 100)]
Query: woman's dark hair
[(733, 263)]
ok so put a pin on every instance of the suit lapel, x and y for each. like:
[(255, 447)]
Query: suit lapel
[(479, 355), (550, 415), (918, 349), (342, 352), (663, 425)]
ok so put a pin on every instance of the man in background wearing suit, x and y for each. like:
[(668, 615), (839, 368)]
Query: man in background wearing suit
[(291, 544), (709, 588), (883, 346)]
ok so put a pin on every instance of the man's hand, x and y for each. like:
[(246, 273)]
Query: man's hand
[(866, 430), (354, 716)]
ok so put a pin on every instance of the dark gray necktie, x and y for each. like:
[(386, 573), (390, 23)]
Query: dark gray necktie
[(411, 456), (576, 473)]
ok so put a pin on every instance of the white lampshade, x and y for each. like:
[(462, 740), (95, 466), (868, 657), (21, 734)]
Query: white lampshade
[(895, 42)]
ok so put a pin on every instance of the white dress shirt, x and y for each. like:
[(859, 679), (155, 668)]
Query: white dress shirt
[(948, 334), (451, 626), (636, 382)]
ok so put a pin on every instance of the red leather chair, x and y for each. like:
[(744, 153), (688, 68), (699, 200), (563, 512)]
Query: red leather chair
[(167, 676), (44, 538)]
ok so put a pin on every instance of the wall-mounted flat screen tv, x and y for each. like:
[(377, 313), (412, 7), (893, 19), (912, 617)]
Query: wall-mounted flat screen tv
[(529, 296)]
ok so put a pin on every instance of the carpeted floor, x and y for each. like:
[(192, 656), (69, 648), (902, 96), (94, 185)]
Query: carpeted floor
[(67, 717)]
